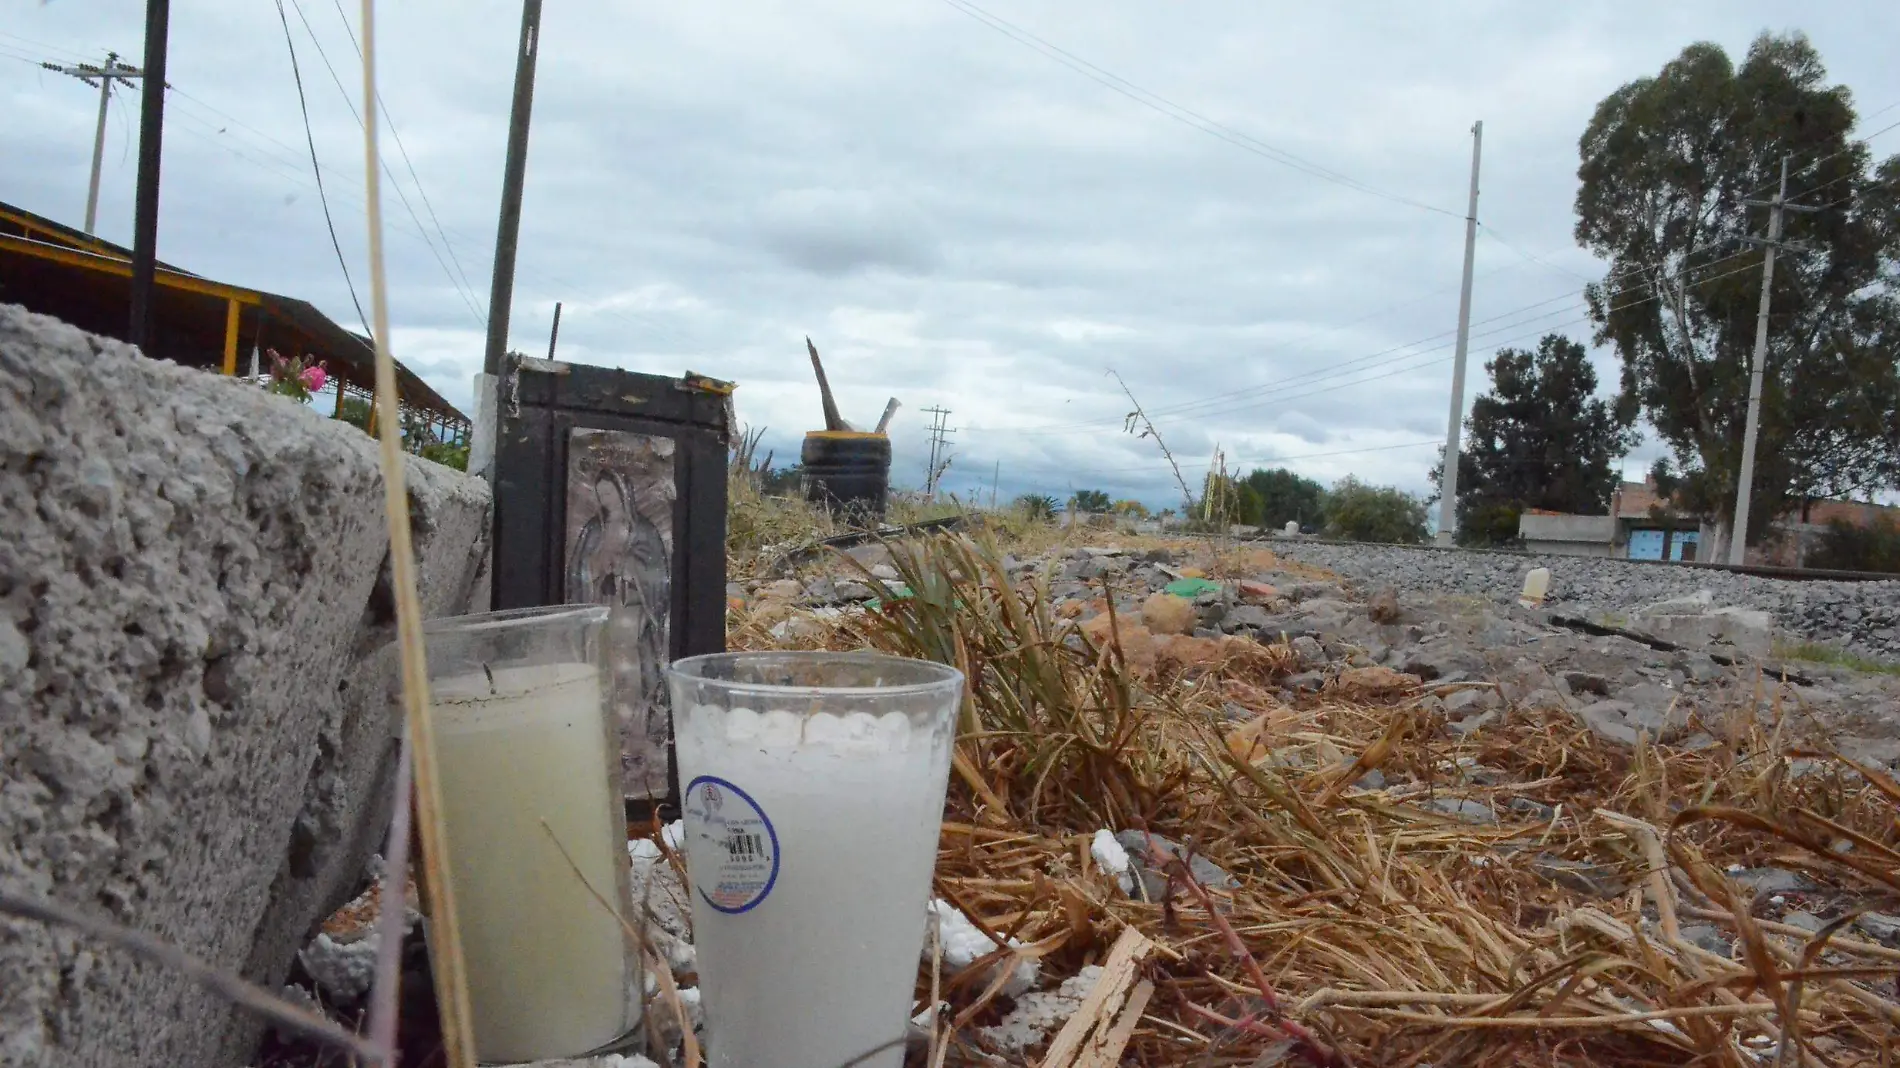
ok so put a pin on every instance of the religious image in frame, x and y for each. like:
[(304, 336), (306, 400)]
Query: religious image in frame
[(620, 493)]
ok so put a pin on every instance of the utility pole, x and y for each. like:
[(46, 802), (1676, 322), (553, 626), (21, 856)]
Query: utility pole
[(1448, 483), (158, 14), (501, 294), (113, 71), (996, 473), (1745, 484), (939, 447), (555, 333)]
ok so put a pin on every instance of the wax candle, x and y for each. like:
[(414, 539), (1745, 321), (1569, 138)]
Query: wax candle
[(523, 752), (811, 818)]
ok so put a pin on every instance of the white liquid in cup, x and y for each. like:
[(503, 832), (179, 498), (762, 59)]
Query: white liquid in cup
[(547, 966), (810, 859)]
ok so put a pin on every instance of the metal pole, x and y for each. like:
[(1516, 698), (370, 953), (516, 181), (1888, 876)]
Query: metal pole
[(1448, 483), (99, 140), (554, 334), (145, 216), (501, 294), (1738, 538)]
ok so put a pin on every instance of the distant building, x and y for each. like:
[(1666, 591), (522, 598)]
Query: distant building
[(1641, 526)]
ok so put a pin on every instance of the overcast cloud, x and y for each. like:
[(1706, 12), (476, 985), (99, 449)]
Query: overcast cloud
[(955, 218)]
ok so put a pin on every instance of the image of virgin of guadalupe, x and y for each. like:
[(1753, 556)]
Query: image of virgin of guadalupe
[(619, 557)]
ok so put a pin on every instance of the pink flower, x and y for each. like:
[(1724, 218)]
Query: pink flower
[(314, 378)]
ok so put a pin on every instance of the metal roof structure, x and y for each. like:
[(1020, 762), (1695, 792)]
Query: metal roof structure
[(56, 270)]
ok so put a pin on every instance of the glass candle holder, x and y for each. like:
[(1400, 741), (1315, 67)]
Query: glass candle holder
[(527, 758), (813, 796)]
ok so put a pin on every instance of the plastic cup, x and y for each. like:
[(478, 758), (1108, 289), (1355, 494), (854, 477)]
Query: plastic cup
[(527, 757), (814, 790)]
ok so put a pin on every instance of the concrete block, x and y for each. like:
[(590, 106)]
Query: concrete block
[(198, 739)]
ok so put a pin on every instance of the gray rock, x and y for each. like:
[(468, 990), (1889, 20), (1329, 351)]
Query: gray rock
[(1580, 682), (1213, 614), (1463, 727), (1464, 702), (1246, 617), (1463, 809), (822, 590), (1709, 938), (1806, 921), (1543, 698), (1880, 925), (1149, 854), (885, 573), (1371, 780), (1306, 682), (1610, 721), (1769, 881), (200, 740), (1309, 649), (1535, 810), (1595, 880), (853, 590)]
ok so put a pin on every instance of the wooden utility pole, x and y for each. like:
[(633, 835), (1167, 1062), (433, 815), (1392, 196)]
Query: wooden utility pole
[(501, 292), (555, 333), (139, 331), (1448, 482), (1745, 484), (103, 77)]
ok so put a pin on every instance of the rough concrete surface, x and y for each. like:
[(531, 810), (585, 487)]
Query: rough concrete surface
[(195, 725)]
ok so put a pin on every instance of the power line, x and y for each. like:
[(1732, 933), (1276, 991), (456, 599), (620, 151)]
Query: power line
[(1184, 115), (350, 103), (317, 169), (410, 164)]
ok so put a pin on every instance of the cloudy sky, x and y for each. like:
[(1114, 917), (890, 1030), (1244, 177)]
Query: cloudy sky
[(1251, 211)]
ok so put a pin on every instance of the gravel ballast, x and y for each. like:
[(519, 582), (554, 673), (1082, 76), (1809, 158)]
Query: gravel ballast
[(1860, 617)]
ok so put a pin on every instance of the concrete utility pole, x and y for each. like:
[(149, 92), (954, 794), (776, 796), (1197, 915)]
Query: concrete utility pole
[(939, 447), (554, 334), (1745, 484), (158, 15), (103, 77), (501, 293), (1448, 484)]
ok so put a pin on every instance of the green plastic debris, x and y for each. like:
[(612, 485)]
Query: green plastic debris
[(1191, 588), (901, 593)]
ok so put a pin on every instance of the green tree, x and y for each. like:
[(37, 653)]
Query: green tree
[(355, 412), (1541, 438), (1092, 500), (1668, 164), (1358, 512), (1286, 497), (783, 481)]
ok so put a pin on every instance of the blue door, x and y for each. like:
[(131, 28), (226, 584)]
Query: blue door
[(1646, 545)]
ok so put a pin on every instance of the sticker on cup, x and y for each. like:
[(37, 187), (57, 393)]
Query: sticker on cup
[(737, 837)]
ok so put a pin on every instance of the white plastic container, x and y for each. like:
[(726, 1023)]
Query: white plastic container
[(813, 795), (524, 747)]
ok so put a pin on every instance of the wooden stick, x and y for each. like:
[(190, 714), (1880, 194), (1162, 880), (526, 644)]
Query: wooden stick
[(833, 421), (1085, 1039), (451, 971)]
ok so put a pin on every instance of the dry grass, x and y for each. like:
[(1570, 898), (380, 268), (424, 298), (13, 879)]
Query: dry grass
[(1366, 929)]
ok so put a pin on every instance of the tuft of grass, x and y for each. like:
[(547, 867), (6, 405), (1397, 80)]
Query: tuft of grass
[(1822, 653)]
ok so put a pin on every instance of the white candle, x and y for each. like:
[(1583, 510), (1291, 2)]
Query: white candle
[(547, 966), (810, 840)]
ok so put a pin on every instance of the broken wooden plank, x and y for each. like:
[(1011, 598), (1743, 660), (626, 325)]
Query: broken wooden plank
[(1095, 1036), (833, 421)]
